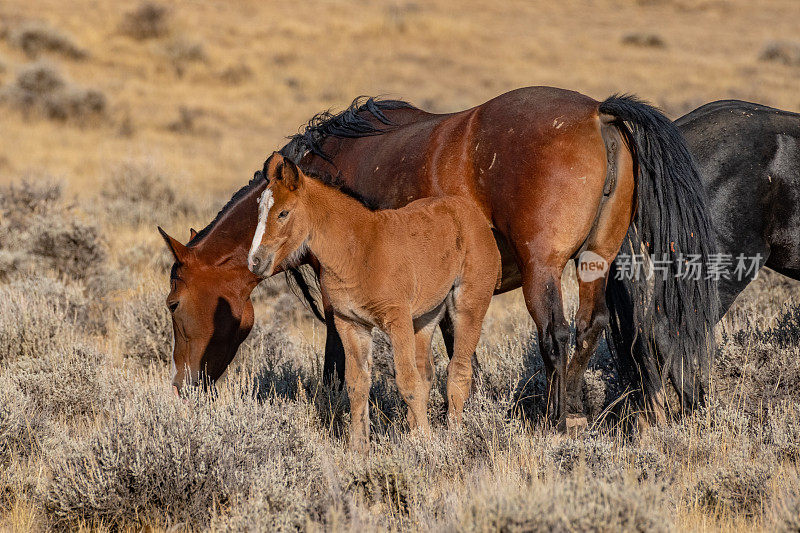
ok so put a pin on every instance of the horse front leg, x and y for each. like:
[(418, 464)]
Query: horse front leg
[(357, 341)]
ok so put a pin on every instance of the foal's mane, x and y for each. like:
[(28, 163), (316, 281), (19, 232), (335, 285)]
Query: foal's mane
[(335, 182)]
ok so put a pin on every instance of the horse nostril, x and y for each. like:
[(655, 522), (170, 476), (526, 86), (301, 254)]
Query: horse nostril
[(255, 261)]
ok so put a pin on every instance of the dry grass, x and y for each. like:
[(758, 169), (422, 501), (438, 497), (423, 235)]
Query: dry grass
[(91, 438), (267, 67)]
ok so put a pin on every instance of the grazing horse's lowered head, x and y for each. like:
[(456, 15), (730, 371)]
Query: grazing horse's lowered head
[(209, 300)]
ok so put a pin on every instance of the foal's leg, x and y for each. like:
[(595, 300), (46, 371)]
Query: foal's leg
[(448, 336), (357, 342), (424, 327), (409, 382), (469, 303)]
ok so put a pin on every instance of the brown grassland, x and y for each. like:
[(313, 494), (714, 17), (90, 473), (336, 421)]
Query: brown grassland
[(117, 116)]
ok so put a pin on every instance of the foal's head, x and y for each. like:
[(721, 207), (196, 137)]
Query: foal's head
[(283, 219)]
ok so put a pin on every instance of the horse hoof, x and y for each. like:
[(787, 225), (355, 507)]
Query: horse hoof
[(575, 425)]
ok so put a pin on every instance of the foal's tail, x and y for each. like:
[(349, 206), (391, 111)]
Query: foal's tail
[(665, 329)]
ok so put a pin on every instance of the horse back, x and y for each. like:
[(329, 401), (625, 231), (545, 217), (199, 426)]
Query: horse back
[(749, 160)]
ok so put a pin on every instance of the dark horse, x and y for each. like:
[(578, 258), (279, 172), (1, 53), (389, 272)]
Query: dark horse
[(556, 173), (749, 159)]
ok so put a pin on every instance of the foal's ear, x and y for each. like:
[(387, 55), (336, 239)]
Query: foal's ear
[(192, 233), (271, 165), (290, 175), (179, 251)]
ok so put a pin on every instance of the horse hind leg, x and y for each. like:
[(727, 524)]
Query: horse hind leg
[(593, 264), (448, 336), (591, 320), (424, 328), (410, 383), (542, 291), (467, 304)]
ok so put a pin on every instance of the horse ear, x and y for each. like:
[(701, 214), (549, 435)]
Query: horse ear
[(290, 175), (271, 164), (179, 251), (192, 233)]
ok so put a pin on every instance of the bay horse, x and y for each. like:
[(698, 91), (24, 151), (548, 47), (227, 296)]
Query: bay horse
[(557, 174), (749, 160), (395, 270)]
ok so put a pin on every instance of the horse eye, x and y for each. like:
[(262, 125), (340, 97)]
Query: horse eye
[(283, 214), (172, 306)]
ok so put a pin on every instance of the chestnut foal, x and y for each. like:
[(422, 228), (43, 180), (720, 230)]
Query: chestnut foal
[(397, 270)]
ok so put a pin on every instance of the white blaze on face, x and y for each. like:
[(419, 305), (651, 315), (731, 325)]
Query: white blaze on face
[(265, 203)]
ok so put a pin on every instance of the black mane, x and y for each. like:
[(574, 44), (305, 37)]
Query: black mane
[(353, 122)]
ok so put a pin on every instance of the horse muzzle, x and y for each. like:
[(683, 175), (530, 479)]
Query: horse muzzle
[(260, 264)]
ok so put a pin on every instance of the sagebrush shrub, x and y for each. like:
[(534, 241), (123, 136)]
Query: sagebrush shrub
[(739, 489), (66, 383), (41, 89), (19, 201), (147, 21), (136, 192), (783, 52), (592, 452), (557, 504), (159, 460), (41, 233), (72, 248), (37, 317), (145, 325), (785, 511), (35, 37), (23, 431)]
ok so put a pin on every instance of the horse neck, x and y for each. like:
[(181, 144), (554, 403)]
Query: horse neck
[(339, 224), (232, 233)]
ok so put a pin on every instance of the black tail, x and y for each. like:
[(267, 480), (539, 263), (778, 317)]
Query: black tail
[(665, 329)]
